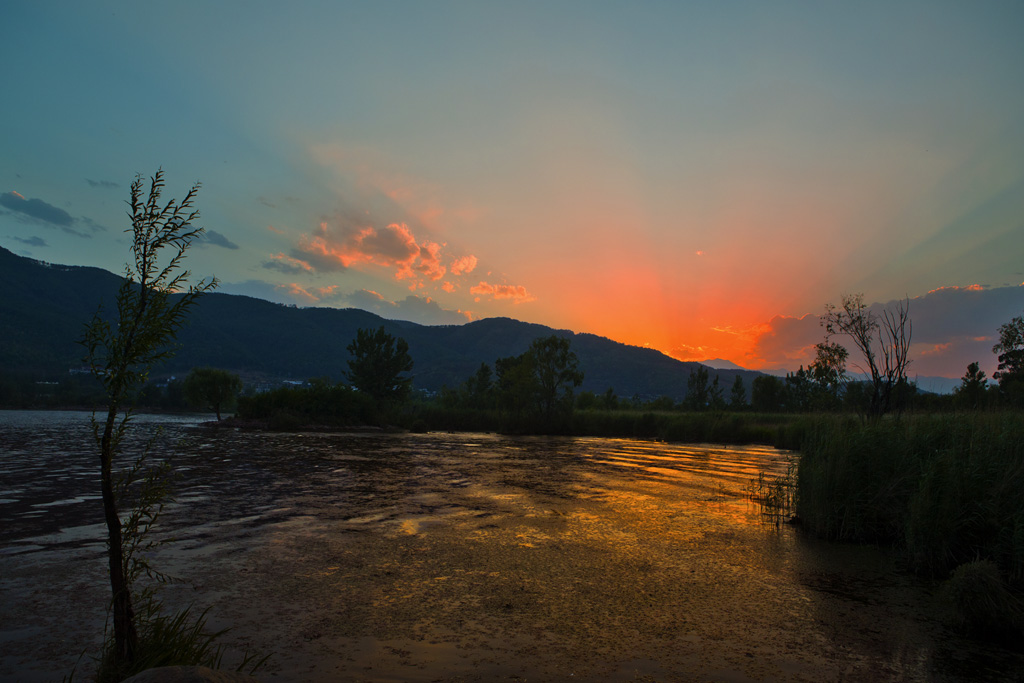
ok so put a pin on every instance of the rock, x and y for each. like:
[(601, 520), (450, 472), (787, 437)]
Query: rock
[(188, 674)]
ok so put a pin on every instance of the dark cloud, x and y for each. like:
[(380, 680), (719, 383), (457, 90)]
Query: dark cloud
[(33, 241), (105, 184), (215, 239), (951, 327), (789, 342), (38, 209), (422, 310), (287, 264)]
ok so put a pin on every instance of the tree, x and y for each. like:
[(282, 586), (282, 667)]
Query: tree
[(151, 308), (1010, 350), (540, 382), (738, 394), (884, 343), (697, 390), (828, 372), (517, 385), (210, 388), (716, 398), (767, 394), (609, 401), (480, 387), (377, 363), (558, 373), (798, 390)]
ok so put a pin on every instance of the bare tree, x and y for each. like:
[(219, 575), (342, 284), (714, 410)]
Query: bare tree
[(884, 343)]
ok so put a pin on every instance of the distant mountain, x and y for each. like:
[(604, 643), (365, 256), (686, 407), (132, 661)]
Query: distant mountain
[(721, 364), (43, 308)]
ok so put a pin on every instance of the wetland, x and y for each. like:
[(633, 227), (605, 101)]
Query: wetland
[(466, 557)]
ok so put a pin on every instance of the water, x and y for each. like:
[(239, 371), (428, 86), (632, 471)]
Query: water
[(466, 557)]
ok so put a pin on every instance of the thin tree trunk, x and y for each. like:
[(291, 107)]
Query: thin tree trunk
[(125, 635)]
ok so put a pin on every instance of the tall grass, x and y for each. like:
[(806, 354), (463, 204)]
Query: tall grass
[(947, 488), (171, 639)]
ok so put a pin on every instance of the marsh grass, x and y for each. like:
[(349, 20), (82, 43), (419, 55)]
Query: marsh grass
[(179, 638), (948, 489), (981, 601), (776, 495)]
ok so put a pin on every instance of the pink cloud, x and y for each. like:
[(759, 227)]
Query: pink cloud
[(448, 287), (312, 295), (287, 264), (466, 264), (429, 263), (517, 293), (394, 247)]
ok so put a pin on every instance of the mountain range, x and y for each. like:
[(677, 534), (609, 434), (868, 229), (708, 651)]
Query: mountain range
[(44, 308)]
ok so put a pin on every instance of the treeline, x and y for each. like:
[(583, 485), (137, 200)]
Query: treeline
[(202, 389)]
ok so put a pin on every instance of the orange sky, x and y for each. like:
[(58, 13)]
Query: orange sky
[(699, 179)]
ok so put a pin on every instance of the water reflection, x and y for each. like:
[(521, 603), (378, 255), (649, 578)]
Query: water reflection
[(468, 557)]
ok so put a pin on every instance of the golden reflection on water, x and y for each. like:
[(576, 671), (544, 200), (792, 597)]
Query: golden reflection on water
[(475, 557)]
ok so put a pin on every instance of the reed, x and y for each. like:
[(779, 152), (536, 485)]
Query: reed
[(948, 489)]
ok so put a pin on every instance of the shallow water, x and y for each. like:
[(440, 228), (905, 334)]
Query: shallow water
[(444, 557)]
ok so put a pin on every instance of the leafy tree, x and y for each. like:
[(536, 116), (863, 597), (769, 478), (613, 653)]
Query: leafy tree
[(1010, 350), (738, 394), (972, 387), (558, 373), (828, 372), (884, 343), (518, 388), (798, 390), (716, 399), (697, 390), (767, 394), (152, 302), (609, 401), (210, 388), (377, 363), (540, 382), (662, 403), (480, 388), (586, 400)]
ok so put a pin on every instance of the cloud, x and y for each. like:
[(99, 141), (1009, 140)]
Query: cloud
[(37, 208), (347, 243), (429, 263), (448, 287), (417, 309), (951, 327), (311, 295), (517, 293), (33, 241), (105, 184), (287, 264), (466, 264), (214, 238), (787, 342), (339, 247)]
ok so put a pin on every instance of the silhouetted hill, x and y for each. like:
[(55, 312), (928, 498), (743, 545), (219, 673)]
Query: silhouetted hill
[(43, 309)]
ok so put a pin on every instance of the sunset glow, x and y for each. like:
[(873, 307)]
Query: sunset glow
[(701, 179)]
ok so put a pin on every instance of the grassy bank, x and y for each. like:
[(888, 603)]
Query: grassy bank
[(949, 489), (781, 430)]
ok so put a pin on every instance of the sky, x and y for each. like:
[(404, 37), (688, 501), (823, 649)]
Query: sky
[(701, 178)]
